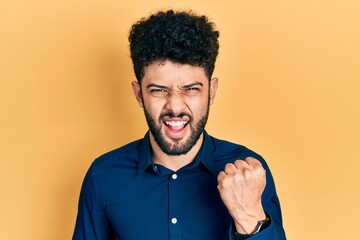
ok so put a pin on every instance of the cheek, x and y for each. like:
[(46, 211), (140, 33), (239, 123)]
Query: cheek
[(154, 107), (198, 107)]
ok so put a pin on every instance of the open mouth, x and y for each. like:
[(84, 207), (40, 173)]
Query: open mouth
[(176, 125)]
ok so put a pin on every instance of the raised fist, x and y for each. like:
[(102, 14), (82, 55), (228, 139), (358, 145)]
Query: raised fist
[(241, 185)]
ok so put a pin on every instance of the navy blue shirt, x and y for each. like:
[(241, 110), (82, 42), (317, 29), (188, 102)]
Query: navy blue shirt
[(125, 196)]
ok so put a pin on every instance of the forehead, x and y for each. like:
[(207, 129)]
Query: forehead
[(170, 73)]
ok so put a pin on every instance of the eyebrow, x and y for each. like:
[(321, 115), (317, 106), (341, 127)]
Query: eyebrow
[(155, 85), (185, 86), (193, 84)]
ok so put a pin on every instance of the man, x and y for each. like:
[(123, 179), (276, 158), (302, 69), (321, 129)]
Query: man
[(177, 182)]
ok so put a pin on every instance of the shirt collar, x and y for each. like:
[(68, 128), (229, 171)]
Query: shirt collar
[(145, 156), (204, 156)]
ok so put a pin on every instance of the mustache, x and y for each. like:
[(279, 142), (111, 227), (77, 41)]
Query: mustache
[(172, 115)]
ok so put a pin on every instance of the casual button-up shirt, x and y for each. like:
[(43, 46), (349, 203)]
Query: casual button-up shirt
[(126, 196)]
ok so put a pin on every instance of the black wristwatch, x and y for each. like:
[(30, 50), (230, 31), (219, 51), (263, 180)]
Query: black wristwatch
[(261, 225)]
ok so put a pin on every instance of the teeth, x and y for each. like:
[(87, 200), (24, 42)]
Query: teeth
[(175, 124)]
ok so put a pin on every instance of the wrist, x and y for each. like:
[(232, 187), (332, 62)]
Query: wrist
[(246, 224), (261, 225)]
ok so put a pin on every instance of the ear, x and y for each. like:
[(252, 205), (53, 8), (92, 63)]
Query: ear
[(137, 92), (213, 88)]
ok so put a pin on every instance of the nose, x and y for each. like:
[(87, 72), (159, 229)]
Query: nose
[(175, 102)]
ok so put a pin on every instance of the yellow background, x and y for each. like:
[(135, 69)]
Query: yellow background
[(289, 89)]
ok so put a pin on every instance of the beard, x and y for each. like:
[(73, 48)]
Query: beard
[(176, 148)]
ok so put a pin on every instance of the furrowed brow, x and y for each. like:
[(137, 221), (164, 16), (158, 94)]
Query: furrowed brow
[(192, 85), (155, 85)]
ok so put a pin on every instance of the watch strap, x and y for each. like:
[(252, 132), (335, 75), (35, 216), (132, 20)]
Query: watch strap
[(261, 225)]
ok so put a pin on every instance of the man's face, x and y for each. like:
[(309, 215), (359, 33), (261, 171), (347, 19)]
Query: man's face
[(176, 101)]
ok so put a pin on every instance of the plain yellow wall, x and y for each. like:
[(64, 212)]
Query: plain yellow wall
[(289, 89)]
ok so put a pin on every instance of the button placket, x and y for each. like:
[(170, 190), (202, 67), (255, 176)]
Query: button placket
[(174, 200)]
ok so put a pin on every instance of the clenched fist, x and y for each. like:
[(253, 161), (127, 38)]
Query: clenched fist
[(241, 185)]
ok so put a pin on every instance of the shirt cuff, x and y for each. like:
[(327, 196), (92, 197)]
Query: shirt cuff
[(238, 236)]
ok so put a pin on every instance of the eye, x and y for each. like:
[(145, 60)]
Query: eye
[(191, 91), (158, 92)]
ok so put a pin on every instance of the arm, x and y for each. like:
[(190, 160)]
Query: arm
[(248, 191), (91, 223), (275, 230)]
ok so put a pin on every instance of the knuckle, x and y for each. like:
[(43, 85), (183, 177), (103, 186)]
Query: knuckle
[(247, 173), (259, 170), (226, 182), (229, 167), (239, 164), (238, 178)]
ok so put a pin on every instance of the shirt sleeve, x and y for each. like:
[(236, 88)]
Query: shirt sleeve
[(271, 205), (273, 231), (91, 222)]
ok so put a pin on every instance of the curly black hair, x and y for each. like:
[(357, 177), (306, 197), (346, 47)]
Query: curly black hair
[(181, 37)]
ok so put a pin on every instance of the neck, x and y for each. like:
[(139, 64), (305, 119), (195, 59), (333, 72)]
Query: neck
[(174, 162)]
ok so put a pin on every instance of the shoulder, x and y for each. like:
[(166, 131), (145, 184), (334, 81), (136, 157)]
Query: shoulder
[(226, 148), (124, 156), (228, 152)]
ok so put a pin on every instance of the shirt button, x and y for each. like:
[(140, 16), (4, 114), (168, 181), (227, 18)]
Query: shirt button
[(174, 176), (155, 168), (174, 220)]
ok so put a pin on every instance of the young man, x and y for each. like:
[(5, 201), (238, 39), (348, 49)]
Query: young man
[(177, 182)]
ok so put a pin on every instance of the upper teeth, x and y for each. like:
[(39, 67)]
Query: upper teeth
[(176, 124)]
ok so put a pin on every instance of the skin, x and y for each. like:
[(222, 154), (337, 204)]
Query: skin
[(242, 183), (171, 75)]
